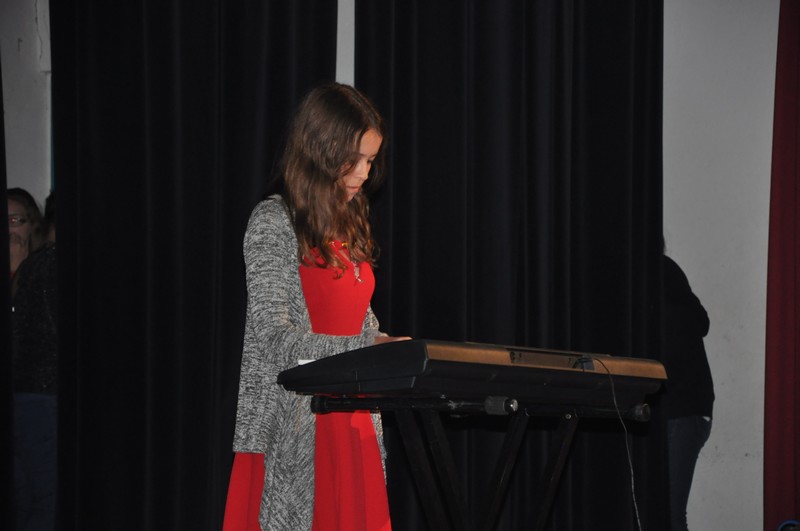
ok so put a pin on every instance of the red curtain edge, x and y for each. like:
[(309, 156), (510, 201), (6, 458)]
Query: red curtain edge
[(781, 415)]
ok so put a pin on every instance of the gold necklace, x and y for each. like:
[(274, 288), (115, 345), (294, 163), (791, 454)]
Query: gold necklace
[(356, 267)]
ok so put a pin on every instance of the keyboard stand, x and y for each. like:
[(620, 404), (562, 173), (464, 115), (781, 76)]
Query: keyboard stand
[(431, 460)]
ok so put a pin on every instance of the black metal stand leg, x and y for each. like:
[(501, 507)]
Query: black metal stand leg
[(505, 465), (446, 468), (563, 439), (422, 472)]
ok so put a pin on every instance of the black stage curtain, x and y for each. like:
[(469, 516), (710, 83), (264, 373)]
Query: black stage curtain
[(523, 207), (6, 404), (167, 118)]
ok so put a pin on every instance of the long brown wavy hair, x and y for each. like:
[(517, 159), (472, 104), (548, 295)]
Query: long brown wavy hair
[(323, 145)]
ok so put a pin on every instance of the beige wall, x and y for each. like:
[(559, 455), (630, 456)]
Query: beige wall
[(719, 76), (25, 61)]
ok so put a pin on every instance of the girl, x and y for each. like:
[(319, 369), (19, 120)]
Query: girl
[(309, 255)]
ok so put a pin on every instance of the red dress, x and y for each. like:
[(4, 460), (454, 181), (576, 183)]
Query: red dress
[(349, 484)]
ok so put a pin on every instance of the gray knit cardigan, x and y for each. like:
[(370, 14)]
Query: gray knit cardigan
[(269, 419)]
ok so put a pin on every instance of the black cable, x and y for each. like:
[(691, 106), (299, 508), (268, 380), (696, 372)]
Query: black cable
[(627, 445)]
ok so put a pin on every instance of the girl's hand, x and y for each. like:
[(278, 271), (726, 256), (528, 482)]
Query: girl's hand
[(389, 339)]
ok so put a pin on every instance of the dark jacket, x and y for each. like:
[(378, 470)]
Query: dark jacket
[(689, 389)]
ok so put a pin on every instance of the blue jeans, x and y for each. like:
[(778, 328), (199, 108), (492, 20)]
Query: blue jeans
[(35, 448), (686, 437)]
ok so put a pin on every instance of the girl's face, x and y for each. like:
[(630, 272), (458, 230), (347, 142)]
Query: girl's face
[(367, 151)]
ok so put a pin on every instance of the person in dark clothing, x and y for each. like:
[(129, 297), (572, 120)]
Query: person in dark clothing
[(688, 399), (34, 343)]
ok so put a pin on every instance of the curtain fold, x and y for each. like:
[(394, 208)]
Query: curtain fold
[(167, 120), (6, 382), (782, 370), (523, 207)]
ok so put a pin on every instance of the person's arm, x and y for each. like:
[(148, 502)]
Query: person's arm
[(682, 301)]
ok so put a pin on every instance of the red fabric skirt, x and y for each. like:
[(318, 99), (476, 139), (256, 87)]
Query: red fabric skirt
[(244, 493), (349, 487)]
